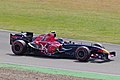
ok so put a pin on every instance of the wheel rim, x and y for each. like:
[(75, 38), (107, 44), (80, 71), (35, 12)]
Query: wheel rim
[(17, 48), (81, 54)]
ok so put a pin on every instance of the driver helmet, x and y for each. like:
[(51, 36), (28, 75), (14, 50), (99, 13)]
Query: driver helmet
[(53, 32)]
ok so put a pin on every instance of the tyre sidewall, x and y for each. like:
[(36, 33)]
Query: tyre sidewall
[(22, 47), (85, 51)]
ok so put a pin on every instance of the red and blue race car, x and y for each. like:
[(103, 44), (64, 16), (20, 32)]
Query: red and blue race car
[(48, 45)]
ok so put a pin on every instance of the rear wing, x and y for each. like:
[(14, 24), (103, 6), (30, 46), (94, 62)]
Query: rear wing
[(11, 39), (23, 35), (28, 34)]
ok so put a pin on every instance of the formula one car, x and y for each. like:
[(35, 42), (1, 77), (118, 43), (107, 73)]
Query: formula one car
[(48, 45)]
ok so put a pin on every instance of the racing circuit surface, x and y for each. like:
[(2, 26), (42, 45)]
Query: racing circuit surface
[(112, 67)]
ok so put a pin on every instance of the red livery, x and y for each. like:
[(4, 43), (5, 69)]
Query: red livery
[(49, 45)]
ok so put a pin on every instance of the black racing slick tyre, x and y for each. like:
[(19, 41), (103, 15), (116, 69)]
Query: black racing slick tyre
[(82, 54), (19, 47)]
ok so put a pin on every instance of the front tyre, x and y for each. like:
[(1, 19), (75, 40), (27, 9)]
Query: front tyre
[(82, 53), (98, 45), (19, 47)]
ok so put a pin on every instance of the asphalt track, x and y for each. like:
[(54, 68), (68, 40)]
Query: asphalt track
[(112, 67)]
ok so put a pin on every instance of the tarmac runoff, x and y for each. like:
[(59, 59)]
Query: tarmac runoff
[(107, 71)]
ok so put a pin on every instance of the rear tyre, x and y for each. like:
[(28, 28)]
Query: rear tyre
[(19, 47), (82, 54)]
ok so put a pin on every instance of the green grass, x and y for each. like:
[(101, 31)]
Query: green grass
[(91, 75), (80, 19)]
